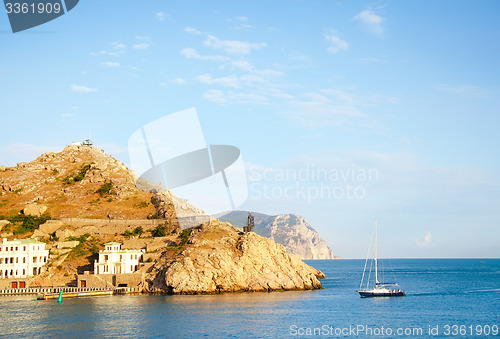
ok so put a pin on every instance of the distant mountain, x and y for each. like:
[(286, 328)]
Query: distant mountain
[(289, 230)]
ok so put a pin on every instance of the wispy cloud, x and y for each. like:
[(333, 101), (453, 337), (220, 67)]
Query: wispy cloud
[(118, 48), (191, 53), (463, 90), (111, 64), (248, 67), (372, 22), (141, 46), (426, 242), (192, 30), (82, 89), (118, 45), (160, 16), (231, 81), (336, 43), (215, 95), (231, 97), (178, 81), (232, 46)]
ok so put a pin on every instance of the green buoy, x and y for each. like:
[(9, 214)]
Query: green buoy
[(59, 300)]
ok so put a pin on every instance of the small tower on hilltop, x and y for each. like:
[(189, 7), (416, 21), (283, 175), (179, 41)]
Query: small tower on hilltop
[(250, 222), (87, 142)]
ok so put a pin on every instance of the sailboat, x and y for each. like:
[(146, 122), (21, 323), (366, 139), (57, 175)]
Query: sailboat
[(380, 289)]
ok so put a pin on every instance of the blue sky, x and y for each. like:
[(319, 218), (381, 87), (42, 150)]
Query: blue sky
[(407, 91)]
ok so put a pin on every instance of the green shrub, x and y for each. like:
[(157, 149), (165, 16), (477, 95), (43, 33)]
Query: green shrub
[(81, 173), (79, 176), (28, 223), (185, 235), (142, 204), (106, 189), (159, 231), (84, 247)]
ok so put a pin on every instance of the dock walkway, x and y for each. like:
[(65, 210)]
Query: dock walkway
[(68, 292)]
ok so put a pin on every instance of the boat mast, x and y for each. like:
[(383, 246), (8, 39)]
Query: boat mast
[(376, 267)]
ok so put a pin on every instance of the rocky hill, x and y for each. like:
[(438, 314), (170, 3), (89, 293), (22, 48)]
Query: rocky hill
[(289, 230), (82, 182), (221, 258)]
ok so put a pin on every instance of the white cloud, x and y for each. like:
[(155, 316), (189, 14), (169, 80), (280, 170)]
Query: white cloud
[(235, 97), (118, 45), (463, 90), (248, 67), (82, 89), (118, 48), (141, 46), (178, 81), (114, 54), (336, 44), (230, 81), (192, 30), (372, 22), (242, 18), (160, 16), (142, 37), (191, 53), (232, 46), (67, 115), (111, 64), (426, 242), (326, 107), (215, 96)]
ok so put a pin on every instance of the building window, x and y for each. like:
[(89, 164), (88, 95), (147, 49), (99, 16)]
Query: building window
[(17, 260), (105, 257), (24, 260), (17, 248), (24, 248), (24, 271), (34, 259)]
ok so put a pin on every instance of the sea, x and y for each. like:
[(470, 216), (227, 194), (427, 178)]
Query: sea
[(446, 298)]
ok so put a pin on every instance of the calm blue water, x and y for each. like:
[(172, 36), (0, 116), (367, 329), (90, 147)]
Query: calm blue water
[(440, 292)]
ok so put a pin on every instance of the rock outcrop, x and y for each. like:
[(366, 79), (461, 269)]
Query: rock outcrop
[(289, 230), (221, 258), (34, 210)]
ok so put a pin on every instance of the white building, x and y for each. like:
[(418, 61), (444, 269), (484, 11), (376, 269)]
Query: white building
[(22, 258), (114, 260)]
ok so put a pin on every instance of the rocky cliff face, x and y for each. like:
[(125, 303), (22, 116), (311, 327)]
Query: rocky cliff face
[(289, 230), (221, 258)]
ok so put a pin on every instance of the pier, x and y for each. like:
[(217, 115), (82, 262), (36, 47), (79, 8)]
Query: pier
[(45, 293)]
